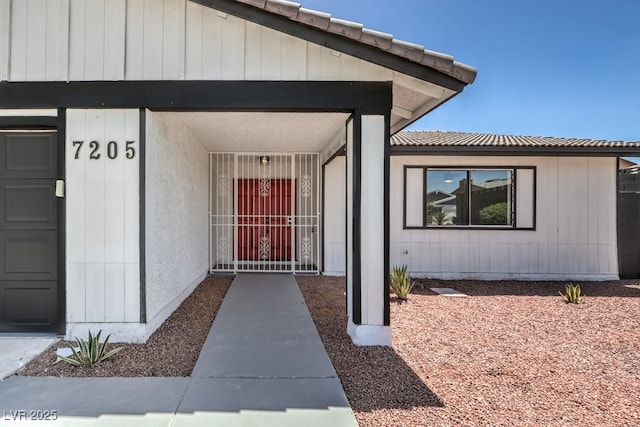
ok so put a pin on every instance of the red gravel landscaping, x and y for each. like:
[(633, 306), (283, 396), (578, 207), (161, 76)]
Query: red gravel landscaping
[(512, 354)]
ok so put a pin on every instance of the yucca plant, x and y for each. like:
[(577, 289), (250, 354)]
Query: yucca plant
[(573, 294), (89, 352), (401, 283)]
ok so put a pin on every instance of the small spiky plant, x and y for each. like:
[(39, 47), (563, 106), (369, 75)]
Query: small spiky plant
[(573, 294), (89, 352), (401, 284)]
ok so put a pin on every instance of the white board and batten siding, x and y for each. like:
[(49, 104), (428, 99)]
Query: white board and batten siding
[(575, 223), (102, 221), (94, 40)]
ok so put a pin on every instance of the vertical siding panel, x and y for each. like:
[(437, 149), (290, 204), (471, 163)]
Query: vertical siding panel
[(253, 51), (349, 67), (18, 42), (271, 58), (57, 50), (75, 220), (193, 42), (94, 47), (95, 189), (77, 40), (330, 64), (233, 32), (114, 296), (134, 42), (581, 170), (114, 192), (5, 38), (595, 175), (132, 292), (114, 43), (314, 61), (211, 44), (95, 299), (152, 40), (173, 38), (36, 40), (294, 58), (75, 186), (76, 292)]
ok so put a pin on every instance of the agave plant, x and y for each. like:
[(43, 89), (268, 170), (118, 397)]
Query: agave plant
[(573, 294), (89, 352), (401, 283)]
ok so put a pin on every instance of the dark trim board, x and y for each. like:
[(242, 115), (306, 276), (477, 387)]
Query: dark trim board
[(142, 195), (356, 252), (312, 96), (29, 122), (334, 41), (387, 220), (62, 220)]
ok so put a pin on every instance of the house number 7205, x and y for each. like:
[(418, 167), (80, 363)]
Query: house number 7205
[(112, 151)]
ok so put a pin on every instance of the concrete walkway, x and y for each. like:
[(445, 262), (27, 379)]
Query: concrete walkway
[(263, 364)]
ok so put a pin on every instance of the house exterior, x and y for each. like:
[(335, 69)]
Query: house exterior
[(147, 143)]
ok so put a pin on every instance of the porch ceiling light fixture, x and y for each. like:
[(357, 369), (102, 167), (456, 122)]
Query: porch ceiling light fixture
[(264, 160)]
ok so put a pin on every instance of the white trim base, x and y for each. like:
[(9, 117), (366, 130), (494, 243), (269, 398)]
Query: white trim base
[(367, 335)]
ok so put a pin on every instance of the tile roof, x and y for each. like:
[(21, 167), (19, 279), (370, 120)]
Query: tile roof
[(493, 143), (355, 31)]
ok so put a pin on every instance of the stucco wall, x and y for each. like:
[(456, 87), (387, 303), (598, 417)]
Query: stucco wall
[(177, 173), (574, 237)]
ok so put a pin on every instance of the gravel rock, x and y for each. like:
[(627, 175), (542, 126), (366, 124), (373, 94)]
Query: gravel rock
[(171, 351), (512, 354)]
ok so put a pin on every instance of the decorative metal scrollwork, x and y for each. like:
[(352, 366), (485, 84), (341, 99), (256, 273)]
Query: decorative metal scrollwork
[(223, 185), (305, 186), (264, 250), (223, 248), (265, 186), (306, 248)]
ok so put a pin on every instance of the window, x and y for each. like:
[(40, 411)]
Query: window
[(437, 197)]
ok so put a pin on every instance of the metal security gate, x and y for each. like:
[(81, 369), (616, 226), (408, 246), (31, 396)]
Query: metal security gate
[(264, 212)]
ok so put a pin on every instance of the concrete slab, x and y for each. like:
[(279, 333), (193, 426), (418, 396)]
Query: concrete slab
[(89, 401), (263, 295), (19, 349), (449, 292), (265, 347), (265, 402)]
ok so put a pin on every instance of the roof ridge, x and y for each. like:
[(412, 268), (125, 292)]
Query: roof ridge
[(356, 31)]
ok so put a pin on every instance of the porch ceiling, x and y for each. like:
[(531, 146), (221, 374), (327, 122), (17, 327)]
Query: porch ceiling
[(263, 131)]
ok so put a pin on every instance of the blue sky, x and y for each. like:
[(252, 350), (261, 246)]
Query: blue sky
[(564, 68)]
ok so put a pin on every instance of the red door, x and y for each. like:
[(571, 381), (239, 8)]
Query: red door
[(264, 219)]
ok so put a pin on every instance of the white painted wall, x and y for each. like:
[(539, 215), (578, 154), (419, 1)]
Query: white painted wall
[(575, 236), (176, 204), (102, 222)]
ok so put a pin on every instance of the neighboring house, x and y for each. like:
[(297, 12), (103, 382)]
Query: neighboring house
[(147, 143)]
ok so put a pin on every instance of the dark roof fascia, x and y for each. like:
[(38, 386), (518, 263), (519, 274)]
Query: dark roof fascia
[(515, 151), (334, 41)]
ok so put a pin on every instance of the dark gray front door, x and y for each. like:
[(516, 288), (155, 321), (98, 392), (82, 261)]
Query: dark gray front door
[(28, 232)]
